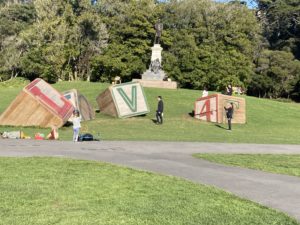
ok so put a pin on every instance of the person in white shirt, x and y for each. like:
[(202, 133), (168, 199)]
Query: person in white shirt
[(76, 124), (205, 92)]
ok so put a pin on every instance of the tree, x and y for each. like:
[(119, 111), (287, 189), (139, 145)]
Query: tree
[(14, 19), (130, 26), (277, 74), (212, 44), (281, 22), (63, 41)]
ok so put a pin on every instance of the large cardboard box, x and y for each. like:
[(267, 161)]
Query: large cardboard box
[(123, 100), (38, 104), (211, 108)]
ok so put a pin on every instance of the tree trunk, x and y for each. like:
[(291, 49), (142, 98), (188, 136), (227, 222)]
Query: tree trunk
[(71, 78), (75, 75)]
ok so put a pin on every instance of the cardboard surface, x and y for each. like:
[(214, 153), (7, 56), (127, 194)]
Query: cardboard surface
[(123, 100), (211, 108), (38, 104)]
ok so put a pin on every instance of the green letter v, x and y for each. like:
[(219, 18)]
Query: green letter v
[(132, 104)]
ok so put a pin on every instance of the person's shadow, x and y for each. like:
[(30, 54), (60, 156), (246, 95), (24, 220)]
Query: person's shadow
[(221, 127), (192, 114), (154, 121)]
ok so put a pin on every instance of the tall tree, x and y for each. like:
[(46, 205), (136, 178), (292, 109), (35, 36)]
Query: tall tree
[(130, 26), (276, 75), (281, 21), (212, 44), (14, 18), (64, 40)]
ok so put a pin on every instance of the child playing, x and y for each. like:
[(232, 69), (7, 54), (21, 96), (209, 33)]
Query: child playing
[(76, 124)]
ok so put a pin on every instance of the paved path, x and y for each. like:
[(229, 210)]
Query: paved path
[(277, 191)]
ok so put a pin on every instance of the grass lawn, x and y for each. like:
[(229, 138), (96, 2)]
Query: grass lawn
[(282, 164), (62, 191), (268, 121)]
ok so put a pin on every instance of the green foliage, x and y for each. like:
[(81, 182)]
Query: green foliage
[(130, 27), (205, 43), (281, 20), (72, 192), (61, 45), (212, 44), (51, 39), (14, 19), (277, 74)]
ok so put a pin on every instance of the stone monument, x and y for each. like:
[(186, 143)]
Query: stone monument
[(155, 71), (155, 76)]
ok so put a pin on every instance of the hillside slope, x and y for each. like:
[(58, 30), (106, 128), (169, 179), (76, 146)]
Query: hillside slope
[(268, 121)]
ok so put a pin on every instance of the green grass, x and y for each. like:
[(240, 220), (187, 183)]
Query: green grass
[(267, 121), (70, 192), (281, 164)]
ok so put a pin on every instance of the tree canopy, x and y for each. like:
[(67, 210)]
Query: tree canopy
[(205, 43)]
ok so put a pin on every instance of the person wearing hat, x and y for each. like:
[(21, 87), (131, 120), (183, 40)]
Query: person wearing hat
[(160, 110), (76, 125)]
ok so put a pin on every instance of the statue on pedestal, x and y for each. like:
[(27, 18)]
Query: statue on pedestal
[(155, 76), (158, 28), (155, 71)]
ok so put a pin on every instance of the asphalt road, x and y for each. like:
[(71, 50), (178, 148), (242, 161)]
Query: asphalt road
[(280, 192)]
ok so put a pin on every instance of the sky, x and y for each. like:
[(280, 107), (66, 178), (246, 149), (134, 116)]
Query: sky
[(250, 3)]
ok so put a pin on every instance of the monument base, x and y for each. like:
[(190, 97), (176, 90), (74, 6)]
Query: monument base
[(157, 83), (149, 75)]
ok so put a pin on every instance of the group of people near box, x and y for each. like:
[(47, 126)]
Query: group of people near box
[(76, 118)]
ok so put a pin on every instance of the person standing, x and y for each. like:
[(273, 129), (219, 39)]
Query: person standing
[(160, 110), (205, 92), (229, 90), (229, 114), (76, 125)]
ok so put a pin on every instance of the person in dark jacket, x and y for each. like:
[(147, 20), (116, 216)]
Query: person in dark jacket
[(160, 110), (229, 114)]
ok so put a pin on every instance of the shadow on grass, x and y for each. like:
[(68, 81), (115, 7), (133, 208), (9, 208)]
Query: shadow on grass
[(154, 121), (192, 114), (221, 127)]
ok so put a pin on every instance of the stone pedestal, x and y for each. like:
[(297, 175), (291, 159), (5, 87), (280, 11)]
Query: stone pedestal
[(156, 52), (150, 75), (155, 71), (157, 83), (155, 76)]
